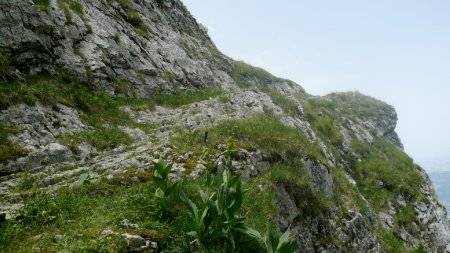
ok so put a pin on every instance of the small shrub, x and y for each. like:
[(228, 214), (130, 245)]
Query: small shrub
[(292, 177), (135, 19)]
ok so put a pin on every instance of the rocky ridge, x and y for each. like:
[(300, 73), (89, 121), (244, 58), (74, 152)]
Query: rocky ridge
[(165, 52)]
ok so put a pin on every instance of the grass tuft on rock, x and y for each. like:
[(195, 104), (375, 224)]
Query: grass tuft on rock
[(8, 149), (42, 4), (102, 138), (133, 17), (4, 63), (245, 75), (264, 132)]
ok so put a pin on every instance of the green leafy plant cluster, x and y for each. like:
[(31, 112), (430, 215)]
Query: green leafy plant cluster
[(207, 161), (276, 243), (167, 192), (215, 219)]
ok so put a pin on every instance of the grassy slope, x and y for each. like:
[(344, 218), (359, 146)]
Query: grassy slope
[(98, 109), (384, 171), (85, 212), (81, 215)]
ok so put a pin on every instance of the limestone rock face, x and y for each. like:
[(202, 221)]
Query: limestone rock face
[(144, 49), (39, 126), (147, 46)]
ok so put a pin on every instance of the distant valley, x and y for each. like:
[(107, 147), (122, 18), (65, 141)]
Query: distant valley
[(439, 172), (441, 180)]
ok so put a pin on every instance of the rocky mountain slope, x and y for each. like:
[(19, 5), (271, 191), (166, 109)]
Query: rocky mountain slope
[(93, 91)]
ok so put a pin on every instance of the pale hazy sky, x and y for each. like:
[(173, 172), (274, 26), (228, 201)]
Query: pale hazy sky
[(394, 50)]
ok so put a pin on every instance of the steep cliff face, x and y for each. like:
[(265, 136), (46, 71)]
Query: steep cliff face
[(149, 46), (84, 98)]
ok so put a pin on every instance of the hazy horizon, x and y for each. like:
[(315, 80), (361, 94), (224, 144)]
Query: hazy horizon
[(398, 52)]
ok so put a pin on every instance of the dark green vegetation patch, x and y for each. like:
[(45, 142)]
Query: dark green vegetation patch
[(8, 149)]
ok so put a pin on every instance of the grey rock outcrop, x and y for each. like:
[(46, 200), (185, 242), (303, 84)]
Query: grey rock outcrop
[(151, 48), (39, 126), (143, 49)]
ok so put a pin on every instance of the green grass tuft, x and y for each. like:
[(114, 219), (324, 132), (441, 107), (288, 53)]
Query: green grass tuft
[(264, 132), (289, 106), (390, 243), (134, 18), (4, 63), (246, 75), (187, 97), (102, 138), (76, 7), (80, 215), (8, 149), (384, 173), (42, 4), (299, 186)]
